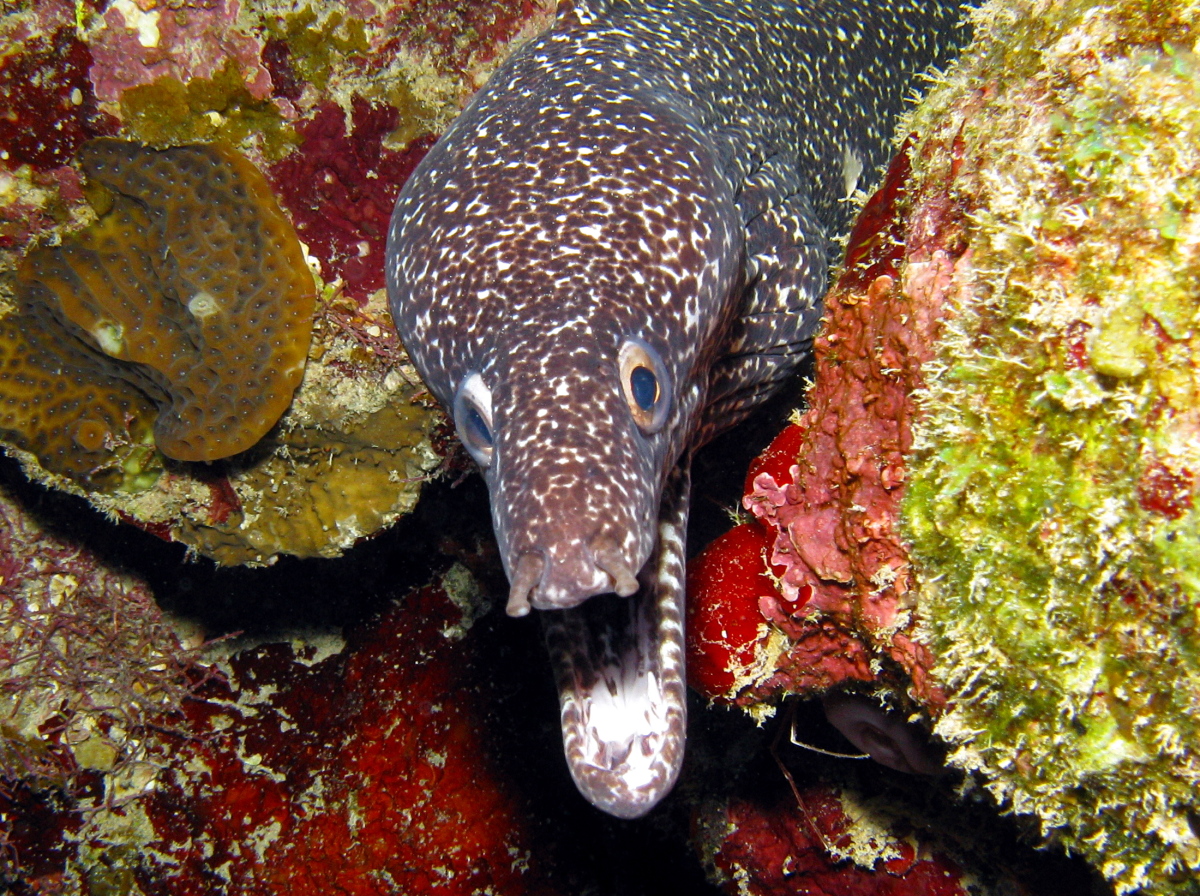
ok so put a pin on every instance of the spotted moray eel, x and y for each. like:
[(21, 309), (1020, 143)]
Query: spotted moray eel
[(616, 251)]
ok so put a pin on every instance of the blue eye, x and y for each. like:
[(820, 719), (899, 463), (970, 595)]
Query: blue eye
[(643, 387), (477, 429), (645, 384), (473, 418)]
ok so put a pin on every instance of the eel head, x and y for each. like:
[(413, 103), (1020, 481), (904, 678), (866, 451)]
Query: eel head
[(563, 271)]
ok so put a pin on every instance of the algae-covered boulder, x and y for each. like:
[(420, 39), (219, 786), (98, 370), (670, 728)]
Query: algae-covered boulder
[(1052, 496)]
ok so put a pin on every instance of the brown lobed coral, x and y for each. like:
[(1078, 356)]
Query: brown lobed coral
[(189, 297)]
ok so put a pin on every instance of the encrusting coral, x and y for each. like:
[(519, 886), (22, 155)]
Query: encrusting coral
[(189, 295)]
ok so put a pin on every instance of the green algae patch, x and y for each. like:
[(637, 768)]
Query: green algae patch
[(1051, 505)]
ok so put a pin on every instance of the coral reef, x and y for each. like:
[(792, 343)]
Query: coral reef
[(340, 186), (168, 112), (290, 764), (48, 110), (407, 751), (465, 38), (135, 44), (1052, 491), (349, 458), (809, 821), (992, 514), (48, 106), (322, 783), (1047, 622), (727, 586), (87, 660), (826, 841), (335, 105)]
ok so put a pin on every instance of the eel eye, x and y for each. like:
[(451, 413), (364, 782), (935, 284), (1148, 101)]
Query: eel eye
[(473, 418), (646, 385)]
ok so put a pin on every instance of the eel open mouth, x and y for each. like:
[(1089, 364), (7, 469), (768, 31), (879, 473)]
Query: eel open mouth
[(619, 665)]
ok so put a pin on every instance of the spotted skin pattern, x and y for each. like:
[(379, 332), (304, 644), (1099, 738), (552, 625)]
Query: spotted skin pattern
[(670, 175)]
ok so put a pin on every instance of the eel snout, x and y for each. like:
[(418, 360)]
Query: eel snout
[(535, 584)]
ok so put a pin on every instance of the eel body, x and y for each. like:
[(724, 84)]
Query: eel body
[(617, 250)]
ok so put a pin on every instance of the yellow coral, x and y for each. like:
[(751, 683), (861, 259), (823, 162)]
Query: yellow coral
[(189, 299)]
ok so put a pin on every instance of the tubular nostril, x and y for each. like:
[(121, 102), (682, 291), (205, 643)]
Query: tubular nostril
[(525, 578), (608, 557)]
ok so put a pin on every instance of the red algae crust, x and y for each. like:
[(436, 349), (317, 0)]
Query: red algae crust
[(320, 766), (833, 600), (822, 840)]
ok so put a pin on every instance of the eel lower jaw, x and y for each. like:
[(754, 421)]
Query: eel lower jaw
[(620, 673)]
